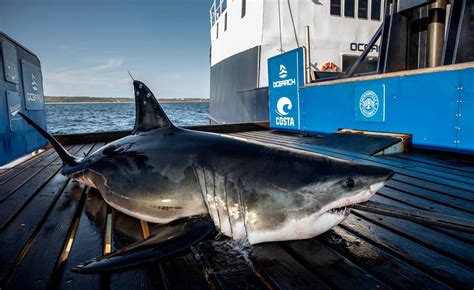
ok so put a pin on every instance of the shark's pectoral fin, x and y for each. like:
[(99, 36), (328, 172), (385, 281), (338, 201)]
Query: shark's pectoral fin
[(175, 238)]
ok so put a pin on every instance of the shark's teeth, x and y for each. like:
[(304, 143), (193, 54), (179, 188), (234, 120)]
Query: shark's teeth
[(340, 210)]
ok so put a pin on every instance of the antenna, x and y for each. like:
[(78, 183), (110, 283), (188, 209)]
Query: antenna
[(130, 75)]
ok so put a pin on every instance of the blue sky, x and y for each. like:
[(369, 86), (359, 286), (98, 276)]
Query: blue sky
[(86, 47)]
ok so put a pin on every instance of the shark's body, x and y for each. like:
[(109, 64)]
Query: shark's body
[(252, 192)]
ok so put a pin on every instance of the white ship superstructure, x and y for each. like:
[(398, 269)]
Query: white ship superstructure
[(245, 33)]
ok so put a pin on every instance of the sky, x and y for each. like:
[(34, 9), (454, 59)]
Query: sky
[(86, 47)]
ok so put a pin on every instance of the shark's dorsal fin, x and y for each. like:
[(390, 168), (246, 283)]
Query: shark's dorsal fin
[(149, 114)]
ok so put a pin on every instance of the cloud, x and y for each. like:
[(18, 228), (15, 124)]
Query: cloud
[(106, 78)]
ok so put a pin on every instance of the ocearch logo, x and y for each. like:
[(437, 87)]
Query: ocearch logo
[(283, 73), (283, 83), (283, 108)]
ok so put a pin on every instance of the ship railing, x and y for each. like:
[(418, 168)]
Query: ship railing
[(217, 7)]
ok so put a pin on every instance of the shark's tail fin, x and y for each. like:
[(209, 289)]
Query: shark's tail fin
[(63, 154)]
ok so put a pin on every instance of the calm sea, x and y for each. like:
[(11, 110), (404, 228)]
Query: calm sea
[(86, 118)]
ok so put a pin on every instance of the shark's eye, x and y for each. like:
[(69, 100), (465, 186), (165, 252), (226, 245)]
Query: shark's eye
[(350, 182)]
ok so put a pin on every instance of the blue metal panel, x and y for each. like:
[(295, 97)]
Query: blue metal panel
[(32, 86), (10, 62), (285, 76), (466, 111), (14, 106), (19, 91), (424, 105)]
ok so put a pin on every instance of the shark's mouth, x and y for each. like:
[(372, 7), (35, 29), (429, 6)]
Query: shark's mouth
[(341, 207)]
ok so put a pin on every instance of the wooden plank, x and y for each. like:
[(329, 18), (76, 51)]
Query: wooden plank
[(5, 176), (36, 268), (312, 146), (226, 263), (423, 217), (440, 160), (423, 235), (419, 202), (15, 237), (87, 243), (466, 237), (436, 265), (423, 157), (46, 182), (378, 262), (11, 207), (424, 170), (447, 200), (341, 272), (183, 273), (445, 189), (172, 270), (126, 230), (40, 160), (283, 270), (25, 177), (418, 162), (360, 158)]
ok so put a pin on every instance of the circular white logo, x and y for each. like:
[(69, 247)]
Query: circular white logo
[(282, 104), (369, 104)]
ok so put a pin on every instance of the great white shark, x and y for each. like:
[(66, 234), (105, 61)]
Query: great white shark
[(200, 182)]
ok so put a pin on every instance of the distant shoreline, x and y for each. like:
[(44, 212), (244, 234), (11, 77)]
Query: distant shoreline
[(95, 103), (91, 100)]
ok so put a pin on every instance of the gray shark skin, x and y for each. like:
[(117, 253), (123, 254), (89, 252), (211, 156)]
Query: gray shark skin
[(162, 174)]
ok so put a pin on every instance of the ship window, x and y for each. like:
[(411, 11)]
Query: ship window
[(363, 9), (244, 4), (369, 64), (217, 30), (335, 7), (375, 11), (225, 22), (349, 6)]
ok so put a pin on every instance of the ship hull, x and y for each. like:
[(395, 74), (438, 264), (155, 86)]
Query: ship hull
[(235, 95)]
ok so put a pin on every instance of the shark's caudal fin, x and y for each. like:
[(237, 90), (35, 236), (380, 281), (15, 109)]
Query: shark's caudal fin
[(171, 240), (149, 114), (63, 154)]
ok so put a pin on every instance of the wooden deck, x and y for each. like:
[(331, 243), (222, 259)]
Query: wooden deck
[(49, 223)]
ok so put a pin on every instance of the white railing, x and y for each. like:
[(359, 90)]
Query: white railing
[(217, 7)]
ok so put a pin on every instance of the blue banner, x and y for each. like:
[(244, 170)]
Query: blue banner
[(285, 76)]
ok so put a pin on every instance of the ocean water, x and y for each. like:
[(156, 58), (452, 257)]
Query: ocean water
[(87, 118)]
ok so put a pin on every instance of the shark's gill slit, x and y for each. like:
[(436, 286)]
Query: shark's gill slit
[(201, 185), (216, 201), (238, 188), (226, 201)]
